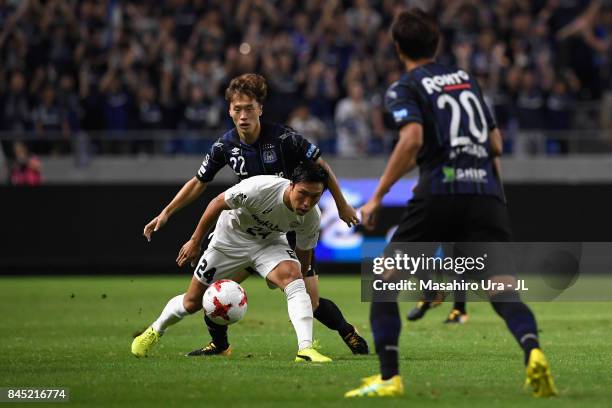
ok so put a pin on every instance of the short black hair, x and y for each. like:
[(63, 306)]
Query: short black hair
[(310, 172), (416, 33)]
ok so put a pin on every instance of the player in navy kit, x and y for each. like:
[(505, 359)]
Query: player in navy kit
[(253, 148), (447, 131)]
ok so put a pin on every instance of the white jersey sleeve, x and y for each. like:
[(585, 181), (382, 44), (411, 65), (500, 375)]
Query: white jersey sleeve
[(242, 195), (307, 234)]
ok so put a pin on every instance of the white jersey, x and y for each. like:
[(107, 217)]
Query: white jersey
[(259, 214)]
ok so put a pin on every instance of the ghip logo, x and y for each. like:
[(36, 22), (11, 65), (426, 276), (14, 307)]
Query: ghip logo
[(470, 174)]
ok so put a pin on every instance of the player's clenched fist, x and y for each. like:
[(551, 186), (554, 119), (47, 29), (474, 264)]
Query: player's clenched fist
[(188, 253), (369, 213)]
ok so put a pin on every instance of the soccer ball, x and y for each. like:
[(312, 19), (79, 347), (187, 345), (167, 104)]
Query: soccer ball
[(225, 302)]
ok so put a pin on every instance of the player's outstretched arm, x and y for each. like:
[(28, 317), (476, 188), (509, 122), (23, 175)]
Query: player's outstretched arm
[(402, 160), (189, 192), (191, 250), (346, 212)]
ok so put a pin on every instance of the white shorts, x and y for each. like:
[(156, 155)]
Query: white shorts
[(222, 263)]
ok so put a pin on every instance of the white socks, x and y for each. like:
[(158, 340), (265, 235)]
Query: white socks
[(300, 312), (172, 313), (298, 305)]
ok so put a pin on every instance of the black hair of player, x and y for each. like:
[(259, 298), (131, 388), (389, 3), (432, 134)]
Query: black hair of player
[(416, 34), (310, 172)]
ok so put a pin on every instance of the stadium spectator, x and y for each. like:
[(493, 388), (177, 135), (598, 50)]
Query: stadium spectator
[(116, 102), (559, 107), (198, 114), (51, 124), (307, 125), (150, 114), (26, 169), (362, 19), (530, 102), (283, 83), (201, 113), (16, 105), (321, 90), (68, 100), (353, 125)]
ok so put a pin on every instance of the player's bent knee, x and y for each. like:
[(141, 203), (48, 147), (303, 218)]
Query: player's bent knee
[(287, 272)]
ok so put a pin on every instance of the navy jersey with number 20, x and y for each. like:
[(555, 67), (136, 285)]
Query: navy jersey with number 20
[(456, 154)]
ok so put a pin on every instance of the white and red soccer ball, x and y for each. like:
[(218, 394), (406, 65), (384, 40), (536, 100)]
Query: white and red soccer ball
[(225, 302)]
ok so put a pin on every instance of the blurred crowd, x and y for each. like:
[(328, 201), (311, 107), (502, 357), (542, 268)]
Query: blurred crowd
[(71, 67)]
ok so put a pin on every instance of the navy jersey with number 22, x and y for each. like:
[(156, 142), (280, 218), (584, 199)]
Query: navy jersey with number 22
[(277, 151), (456, 154)]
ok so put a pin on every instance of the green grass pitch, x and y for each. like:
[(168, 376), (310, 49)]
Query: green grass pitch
[(75, 332)]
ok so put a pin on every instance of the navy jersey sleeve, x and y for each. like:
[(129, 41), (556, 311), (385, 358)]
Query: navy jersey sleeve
[(401, 102), (303, 149), (213, 162)]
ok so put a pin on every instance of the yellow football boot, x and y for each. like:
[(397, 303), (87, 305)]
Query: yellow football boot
[(310, 354), (539, 377), (375, 386), (142, 344), (456, 316), (370, 379)]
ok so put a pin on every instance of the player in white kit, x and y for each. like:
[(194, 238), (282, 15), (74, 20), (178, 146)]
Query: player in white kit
[(253, 218)]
